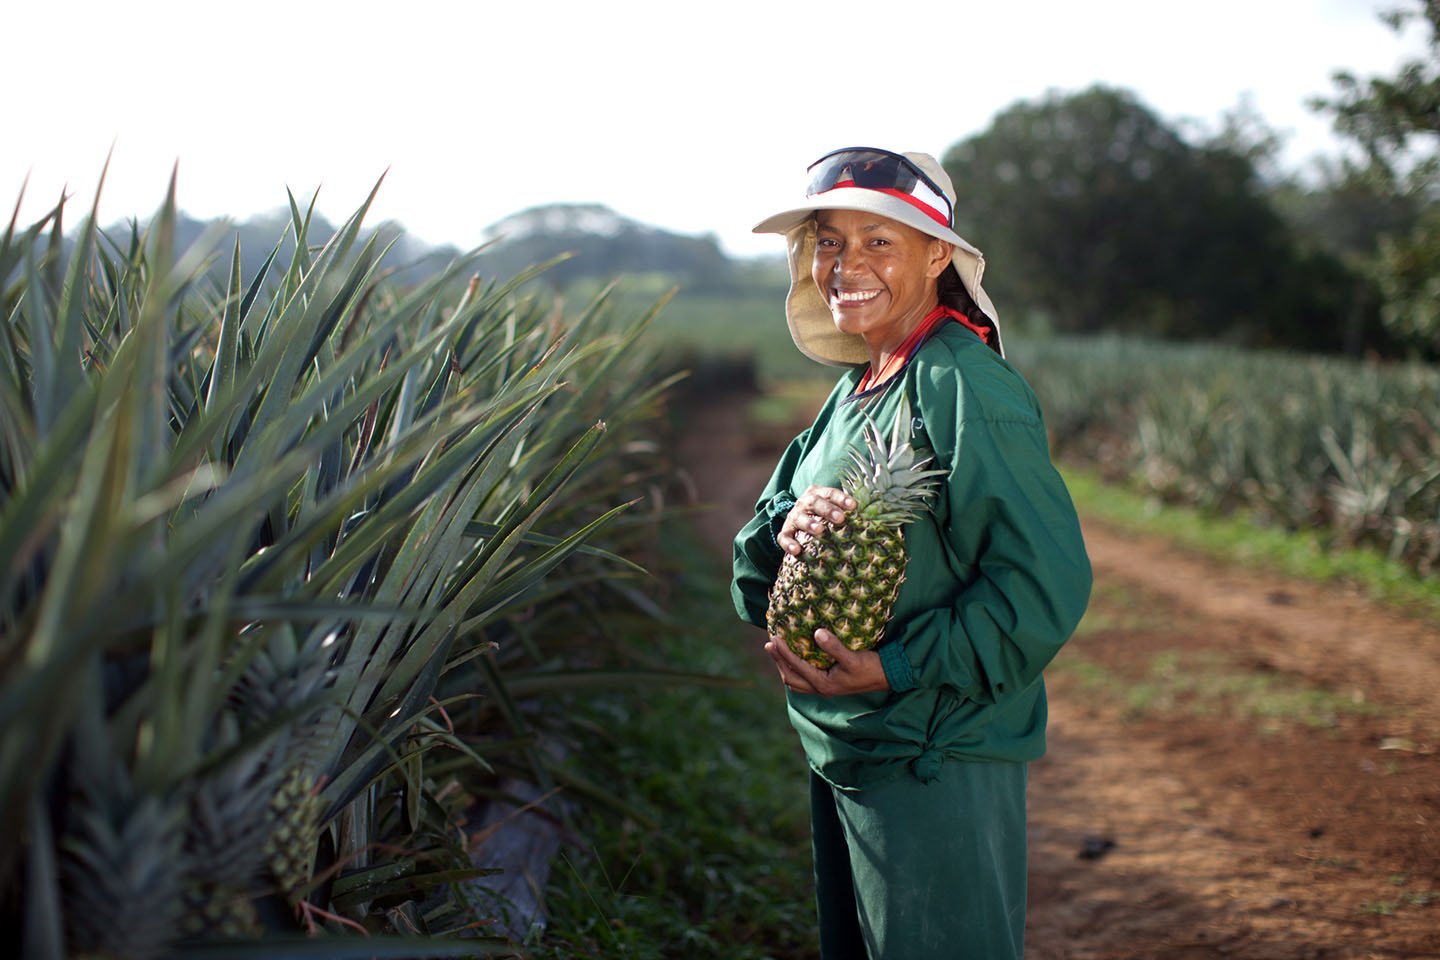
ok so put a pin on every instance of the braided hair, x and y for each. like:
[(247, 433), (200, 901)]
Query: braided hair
[(954, 295)]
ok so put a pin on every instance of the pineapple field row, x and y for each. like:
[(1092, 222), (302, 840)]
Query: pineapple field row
[(1239, 763), (296, 571), (1346, 448), (1300, 442), (302, 572)]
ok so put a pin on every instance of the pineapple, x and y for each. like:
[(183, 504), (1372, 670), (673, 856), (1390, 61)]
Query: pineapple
[(290, 849), (217, 913), (284, 676), (847, 579), (118, 870), (229, 822)]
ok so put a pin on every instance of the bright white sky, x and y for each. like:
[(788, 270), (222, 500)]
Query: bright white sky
[(696, 116)]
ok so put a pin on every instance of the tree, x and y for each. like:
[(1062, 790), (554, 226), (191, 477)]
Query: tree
[(1396, 123), (1098, 215), (602, 244)]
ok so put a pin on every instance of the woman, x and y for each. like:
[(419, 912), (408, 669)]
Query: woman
[(918, 749)]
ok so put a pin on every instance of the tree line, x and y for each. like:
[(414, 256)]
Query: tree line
[(1100, 216)]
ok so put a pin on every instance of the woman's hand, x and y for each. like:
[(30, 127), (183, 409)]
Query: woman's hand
[(853, 671), (815, 507)]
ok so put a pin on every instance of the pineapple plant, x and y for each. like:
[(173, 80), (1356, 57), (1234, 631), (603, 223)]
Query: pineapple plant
[(247, 533), (846, 580)]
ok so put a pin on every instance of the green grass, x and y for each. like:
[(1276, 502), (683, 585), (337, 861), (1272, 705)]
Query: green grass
[(748, 325), (1211, 684), (1388, 908), (1239, 539), (1119, 606), (723, 868), (792, 403)]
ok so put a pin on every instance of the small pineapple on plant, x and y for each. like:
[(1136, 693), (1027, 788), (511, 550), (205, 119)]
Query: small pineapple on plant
[(288, 676), (290, 848), (225, 834), (846, 580)]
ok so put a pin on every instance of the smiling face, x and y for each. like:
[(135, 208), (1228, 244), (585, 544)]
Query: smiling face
[(877, 275)]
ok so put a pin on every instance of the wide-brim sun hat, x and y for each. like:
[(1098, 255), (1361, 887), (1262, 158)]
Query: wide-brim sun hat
[(838, 183)]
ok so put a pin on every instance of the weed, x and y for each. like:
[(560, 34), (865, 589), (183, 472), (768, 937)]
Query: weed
[(1336, 863), (1203, 684), (725, 872), (1118, 606), (1388, 908), (1240, 539)]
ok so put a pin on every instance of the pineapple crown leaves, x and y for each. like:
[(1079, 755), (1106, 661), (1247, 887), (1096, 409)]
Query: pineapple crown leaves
[(283, 673), (282, 696), (230, 814), (122, 888), (888, 478)]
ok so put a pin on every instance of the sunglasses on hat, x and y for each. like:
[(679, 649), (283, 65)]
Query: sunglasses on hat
[(891, 173)]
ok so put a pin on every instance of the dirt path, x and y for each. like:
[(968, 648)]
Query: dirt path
[(1261, 752), (1240, 765)]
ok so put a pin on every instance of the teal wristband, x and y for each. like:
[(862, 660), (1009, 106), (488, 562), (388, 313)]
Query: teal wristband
[(898, 672), (778, 509)]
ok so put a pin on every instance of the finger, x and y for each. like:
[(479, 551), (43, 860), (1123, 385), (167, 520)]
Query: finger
[(799, 518), (799, 684), (832, 499), (796, 521), (827, 642), (831, 644), (779, 666), (804, 515), (773, 646), (826, 510), (833, 494), (816, 525), (790, 665), (788, 677), (784, 657), (785, 660), (800, 673)]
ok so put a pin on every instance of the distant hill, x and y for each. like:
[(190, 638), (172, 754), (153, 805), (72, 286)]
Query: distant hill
[(409, 258), (603, 245)]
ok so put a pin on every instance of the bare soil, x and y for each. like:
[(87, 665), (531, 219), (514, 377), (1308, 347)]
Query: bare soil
[(1240, 764)]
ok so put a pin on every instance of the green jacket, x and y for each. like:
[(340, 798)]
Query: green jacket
[(997, 578)]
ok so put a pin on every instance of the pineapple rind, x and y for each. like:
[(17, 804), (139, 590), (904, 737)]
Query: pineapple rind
[(848, 579), (290, 848)]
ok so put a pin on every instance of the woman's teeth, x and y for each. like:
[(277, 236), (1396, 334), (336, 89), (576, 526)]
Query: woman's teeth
[(856, 296)]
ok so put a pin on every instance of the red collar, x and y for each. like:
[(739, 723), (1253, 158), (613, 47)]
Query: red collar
[(912, 343)]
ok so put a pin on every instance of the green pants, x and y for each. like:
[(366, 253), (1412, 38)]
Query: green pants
[(907, 870)]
